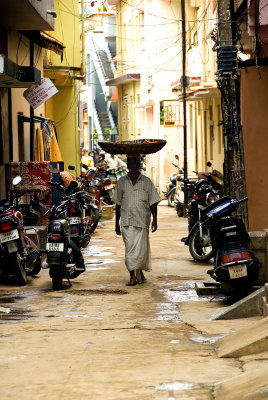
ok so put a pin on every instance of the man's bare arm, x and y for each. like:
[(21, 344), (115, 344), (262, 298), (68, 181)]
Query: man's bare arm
[(154, 214), (117, 219)]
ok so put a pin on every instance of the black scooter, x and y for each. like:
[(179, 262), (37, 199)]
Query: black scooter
[(64, 258), (236, 267)]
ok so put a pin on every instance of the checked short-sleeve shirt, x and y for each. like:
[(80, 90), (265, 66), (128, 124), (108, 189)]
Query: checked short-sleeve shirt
[(135, 201)]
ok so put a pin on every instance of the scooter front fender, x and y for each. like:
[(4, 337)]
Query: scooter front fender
[(190, 233)]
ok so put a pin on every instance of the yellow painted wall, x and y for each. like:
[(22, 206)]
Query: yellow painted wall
[(67, 32), (63, 109)]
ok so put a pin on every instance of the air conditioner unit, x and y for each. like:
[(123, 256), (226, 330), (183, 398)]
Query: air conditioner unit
[(13, 75)]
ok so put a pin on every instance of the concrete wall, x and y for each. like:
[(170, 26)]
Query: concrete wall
[(254, 116), (18, 52), (63, 106), (63, 109)]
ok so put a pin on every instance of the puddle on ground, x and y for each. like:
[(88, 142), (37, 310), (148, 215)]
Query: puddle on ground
[(5, 310), (174, 341), (205, 340), (175, 386), (166, 312), (88, 292), (170, 295), (97, 251), (96, 262), (17, 314), (182, 292), (66, 316)]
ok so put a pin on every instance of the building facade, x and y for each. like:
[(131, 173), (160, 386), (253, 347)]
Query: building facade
[(21, 67), (148, 76)]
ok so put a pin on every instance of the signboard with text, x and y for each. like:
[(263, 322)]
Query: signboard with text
[(38, 94)]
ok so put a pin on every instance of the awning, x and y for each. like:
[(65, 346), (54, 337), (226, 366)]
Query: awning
[(197, 93), (122, 80), (51, 43), (46, 41)]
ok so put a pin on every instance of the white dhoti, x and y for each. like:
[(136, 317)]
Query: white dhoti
[(137, 248)]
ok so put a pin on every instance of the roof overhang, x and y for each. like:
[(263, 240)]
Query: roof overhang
[(45, 41), (13, 75), (27, 15), (201, 93), (124, 79)]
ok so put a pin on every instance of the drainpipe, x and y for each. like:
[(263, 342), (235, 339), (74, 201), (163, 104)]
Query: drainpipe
[(83, 66), (183, 83), (31, 109)]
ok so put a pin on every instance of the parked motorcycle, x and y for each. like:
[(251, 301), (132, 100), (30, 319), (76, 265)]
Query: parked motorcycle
[(236, 267), (171, 187), (64, 258), (202, 194), (105, 184), (19, 255), (92, 209)]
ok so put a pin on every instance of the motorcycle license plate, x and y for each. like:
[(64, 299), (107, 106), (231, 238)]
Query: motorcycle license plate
[(55, 246), (74, 220), (109, 187), (237, 271), (8, 236)]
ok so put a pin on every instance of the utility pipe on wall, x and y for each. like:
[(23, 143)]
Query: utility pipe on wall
[(183, 83)]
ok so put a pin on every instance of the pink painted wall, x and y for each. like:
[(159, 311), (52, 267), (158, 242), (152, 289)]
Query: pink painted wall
[(254, 117)]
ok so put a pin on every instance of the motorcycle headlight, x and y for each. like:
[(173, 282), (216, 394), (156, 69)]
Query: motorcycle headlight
[(210, 198)]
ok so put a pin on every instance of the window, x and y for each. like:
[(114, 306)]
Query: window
[(141, 31)]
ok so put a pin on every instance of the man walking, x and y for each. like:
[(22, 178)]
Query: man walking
[(136, 199)]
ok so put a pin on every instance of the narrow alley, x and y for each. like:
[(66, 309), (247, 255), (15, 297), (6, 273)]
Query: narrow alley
[(100, 339)]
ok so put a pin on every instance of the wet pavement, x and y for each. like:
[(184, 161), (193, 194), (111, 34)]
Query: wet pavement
[(100, 339)]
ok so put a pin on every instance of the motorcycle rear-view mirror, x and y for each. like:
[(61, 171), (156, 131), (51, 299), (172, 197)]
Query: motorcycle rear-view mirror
[(71, 167), (73, 185), (16, 180)]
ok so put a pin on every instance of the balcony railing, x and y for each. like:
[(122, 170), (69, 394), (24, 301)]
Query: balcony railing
[(170, 112)]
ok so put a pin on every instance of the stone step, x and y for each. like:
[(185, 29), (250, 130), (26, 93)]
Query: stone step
[(249, 340), (248, 386), (249, 306)]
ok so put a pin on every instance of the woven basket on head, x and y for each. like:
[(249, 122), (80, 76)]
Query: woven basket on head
[(143, 146)]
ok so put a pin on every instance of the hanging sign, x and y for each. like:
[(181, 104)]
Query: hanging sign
[(38, 94)]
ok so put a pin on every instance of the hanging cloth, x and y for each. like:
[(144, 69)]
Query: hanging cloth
[(55, 154), (38, 146)]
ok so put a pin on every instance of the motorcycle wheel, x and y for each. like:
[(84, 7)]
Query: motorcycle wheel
[(200, 249), (238, 290), (19, 269), (36, 268), (179, 209), (93, 219), (56, 277), (171, 198)]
